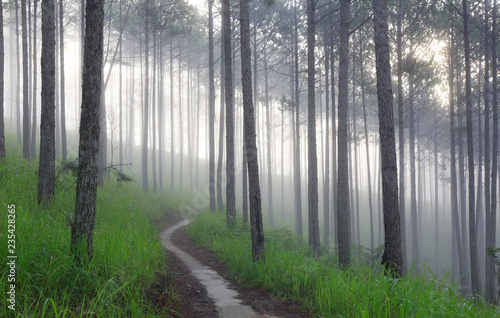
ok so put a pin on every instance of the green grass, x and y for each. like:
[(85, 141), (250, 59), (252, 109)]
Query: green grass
[(128, 258), (291, 272)]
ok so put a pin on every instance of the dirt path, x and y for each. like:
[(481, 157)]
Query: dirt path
[(201, 280)]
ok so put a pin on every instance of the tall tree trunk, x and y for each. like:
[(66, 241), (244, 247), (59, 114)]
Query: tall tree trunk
[(402, 208), (211, 108), (436, 201), (367, 142), (343, 209), (476, 283), (312, 158), (64, 147), (144, 161), (333, 219), (26, 99), (120, 90), (492, 218), (296, 160), (161, 117), (257, 234), (18, 78), (172, 117), (82, 227), (453, 164), (391, 259), (228, 81), (2, 84), (46, 170), (220, 200), (413, 183), (326, 181), (268, 141), (34, 126), (153, 118)]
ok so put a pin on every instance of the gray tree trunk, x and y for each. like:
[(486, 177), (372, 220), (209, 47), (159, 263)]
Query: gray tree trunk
[(391, 259), (491, 219), (257, 233), (211, 109), (296, 160), (26, 99), (82, 227), (343, 209), (228, 81), (144, 161), (402, 208), (34, 126), (312, 158), (46, 170), (64, 146)]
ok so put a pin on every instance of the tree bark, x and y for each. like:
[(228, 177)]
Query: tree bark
[(476, 283), (296, 160), (312, 157), (343, 209), (26, 104), (228, 81), (392, 258), (257, 234), (492, 218), (64, 147), (46, 171), (144, 161), (211, 109), (82, 227)]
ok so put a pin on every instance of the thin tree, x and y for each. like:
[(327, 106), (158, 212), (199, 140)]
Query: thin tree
[(46, 170), (476, 283), (228, 82), (211, 108), (26, 106), (392, 258), (343, 209), (491, 218), (144, 161), (82, 227), (34, 126), (64, 147), (312, 171), (257, 234)]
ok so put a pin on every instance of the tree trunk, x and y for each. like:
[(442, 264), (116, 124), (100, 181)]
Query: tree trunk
[(18, 78), (296, 160), (172, 117), (34, 126), (82, 227), (153, 118), (228, 81), (312, 158), (326, 180), (391, 259), (220, 159), (476, 283), (453, 164), (64, 147), (268, 142), (402, 208), (46, 170), (343, 210), (257, 234), (492, 218), (26, 104), (144, 161), (367, 141), (211, 109)]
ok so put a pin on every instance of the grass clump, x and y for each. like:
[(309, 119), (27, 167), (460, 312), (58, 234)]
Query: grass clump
[(291, 272), (128, 258)]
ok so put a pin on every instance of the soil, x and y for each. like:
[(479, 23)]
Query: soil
[(194, 301)]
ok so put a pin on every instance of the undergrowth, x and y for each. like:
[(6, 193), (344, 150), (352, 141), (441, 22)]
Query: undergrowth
[(128, 258), (291, 272)]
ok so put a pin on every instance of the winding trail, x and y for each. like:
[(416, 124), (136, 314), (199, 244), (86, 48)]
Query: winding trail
[(225, 298)]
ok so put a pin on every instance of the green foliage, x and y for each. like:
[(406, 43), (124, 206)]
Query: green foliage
[(291, 272), (128, 256)]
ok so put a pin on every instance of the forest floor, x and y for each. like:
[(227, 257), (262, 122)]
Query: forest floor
[(194, 300)]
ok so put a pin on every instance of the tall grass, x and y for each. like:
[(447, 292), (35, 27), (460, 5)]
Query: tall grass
[(127, 254), (291, 272)]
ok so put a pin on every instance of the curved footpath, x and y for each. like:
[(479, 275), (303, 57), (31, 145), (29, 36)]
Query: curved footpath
[(225, 298)]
